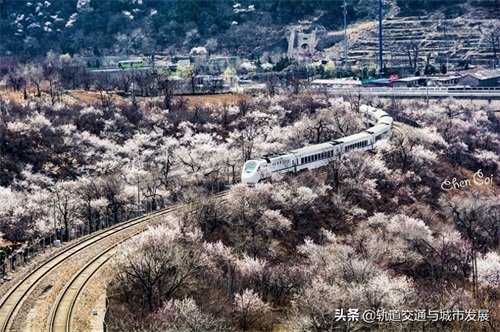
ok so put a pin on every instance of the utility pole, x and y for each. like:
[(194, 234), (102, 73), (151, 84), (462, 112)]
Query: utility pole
[(227, 173), (54, 213), (138, 196), (345, 34), (380, 46), (229, 282)]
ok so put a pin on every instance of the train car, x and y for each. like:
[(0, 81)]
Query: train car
[(309, 157), (318, 155), (380, 131), (314, 156)]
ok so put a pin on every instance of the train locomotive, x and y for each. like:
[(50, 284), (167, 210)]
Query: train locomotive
[(314, 156)]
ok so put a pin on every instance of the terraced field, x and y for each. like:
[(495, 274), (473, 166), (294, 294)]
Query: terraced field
[(444, 40)]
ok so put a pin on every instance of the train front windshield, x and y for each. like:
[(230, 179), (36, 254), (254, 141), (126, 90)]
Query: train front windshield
[(250, 166)]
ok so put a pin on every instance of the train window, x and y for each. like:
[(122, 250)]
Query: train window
[(250, 165)]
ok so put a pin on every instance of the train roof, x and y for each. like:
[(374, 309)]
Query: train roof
[(354, 138), (379, 114), (377, 129), (313, 148)]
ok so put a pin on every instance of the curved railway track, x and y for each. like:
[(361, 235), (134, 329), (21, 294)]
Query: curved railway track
[(62, 312), (14, 298)]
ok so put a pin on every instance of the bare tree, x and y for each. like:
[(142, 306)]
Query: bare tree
[(104, 85), (167, 86), (211, 46), (273, 83), (491, 36), (477, 217), (189, 72), (412, 50), (158, 265), (52, 75), (34, 74), (124, 81), (66, 203), (16, 79)]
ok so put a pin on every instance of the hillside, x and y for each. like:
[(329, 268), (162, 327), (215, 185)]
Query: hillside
[(142, 27), (423, 37), (372, 232)]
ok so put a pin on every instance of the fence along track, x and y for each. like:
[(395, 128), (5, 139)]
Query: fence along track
[(15, 296), (61, 315)]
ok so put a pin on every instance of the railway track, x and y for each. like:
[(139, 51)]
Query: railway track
[(15, 297), (62, 312)]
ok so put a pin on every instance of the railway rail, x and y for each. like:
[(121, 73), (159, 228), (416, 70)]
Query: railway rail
[(63, 310), (15, 297)]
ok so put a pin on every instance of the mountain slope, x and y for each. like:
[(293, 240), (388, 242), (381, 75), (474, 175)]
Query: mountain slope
[(124, 27)]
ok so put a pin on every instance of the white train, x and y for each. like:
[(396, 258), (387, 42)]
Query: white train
[(318, 155)]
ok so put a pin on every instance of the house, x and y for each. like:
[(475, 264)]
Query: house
[(409, 82), (485, 78), (444, 80)]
